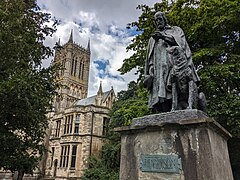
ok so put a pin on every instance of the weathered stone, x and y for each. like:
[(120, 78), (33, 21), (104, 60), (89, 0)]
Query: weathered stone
[(191, 135), (178, 117), (77, 128)]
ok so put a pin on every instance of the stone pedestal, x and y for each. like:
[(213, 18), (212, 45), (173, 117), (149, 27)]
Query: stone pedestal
[(180, 145)]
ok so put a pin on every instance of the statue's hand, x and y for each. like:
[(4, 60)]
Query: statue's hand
[(148, 82), (157, 35)]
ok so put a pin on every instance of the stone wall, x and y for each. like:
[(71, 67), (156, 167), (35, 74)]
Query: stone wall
[(89, 140)]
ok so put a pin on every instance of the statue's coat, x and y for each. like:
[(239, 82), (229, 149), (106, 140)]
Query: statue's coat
[(160, 60)]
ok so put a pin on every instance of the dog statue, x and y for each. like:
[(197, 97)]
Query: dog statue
[(180, 81)]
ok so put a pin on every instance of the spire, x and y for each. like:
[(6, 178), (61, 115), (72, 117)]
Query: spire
[(59, 42), (57, 46), (88, 46), (71, 37), (100, 92), (99, 97)]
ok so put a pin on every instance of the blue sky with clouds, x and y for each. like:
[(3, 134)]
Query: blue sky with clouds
[(104, 23)]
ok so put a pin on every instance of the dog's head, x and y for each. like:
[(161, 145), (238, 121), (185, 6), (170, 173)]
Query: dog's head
[(178, 55)]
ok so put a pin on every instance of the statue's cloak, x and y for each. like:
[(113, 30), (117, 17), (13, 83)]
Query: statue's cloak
[(160, 61)]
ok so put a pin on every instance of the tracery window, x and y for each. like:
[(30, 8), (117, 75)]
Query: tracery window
[(64, 156), (57, 130), (68, 124), (77, 122), (74, 156)]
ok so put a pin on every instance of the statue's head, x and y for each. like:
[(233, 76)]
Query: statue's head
[(160, 20)]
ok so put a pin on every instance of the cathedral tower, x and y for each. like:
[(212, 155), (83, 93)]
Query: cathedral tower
[(79, 124), (73, 76)]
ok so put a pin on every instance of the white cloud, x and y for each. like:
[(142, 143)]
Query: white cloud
[(104, 23)]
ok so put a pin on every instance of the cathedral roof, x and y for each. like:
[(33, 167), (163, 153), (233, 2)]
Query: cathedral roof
[(91, 100)]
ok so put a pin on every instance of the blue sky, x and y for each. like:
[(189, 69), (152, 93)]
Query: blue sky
[(104, 23), (102, 66)]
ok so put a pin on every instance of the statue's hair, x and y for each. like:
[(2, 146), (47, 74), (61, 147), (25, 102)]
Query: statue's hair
[(163, 15)]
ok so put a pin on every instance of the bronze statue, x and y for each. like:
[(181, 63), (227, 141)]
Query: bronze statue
[(170, 75)]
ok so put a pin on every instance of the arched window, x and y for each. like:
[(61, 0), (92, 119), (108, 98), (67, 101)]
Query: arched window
[(75, 67), (80, 70), (72, 66)]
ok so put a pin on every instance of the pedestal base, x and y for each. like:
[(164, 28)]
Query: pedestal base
[(180, 145)]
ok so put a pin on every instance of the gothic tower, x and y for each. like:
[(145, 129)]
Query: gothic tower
[(75, 61), (78, 127)]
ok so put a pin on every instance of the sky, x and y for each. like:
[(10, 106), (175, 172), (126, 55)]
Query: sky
[(104, 23)]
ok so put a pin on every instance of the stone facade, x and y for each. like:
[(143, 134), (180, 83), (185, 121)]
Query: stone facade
[(71, 144), (78, 125), (74, 74)]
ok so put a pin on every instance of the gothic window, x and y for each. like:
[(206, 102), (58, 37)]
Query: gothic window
[(77, 122), (68, 124), (57, 130), (80, 92), (72, 66), (53, 149), (109, 102), (64, 156), (105, 126), (74, 155), (65, 126), (75, 67), (55, 167), (80, 70)]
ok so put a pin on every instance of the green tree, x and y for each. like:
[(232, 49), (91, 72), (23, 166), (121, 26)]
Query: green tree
[(107, 166), (212, 31), (26, 88), (130, 104)]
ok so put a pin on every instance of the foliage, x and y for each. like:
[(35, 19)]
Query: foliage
[(212, 31), (106, 167), (26, 88), (130, 104), (139, 43), (98, 170)]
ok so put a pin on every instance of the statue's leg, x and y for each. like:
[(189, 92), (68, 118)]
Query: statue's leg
[(202, 102), (174, 97), (190, 94)]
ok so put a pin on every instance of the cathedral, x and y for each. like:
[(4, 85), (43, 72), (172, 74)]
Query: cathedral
[(78, 124)]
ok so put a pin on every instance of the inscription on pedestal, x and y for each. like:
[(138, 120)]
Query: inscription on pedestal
[(160, 163)]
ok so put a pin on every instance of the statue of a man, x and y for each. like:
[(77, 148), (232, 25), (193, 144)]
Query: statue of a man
[(159, 63)]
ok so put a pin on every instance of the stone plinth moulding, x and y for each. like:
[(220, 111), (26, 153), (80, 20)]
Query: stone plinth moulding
[(179, 145)]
